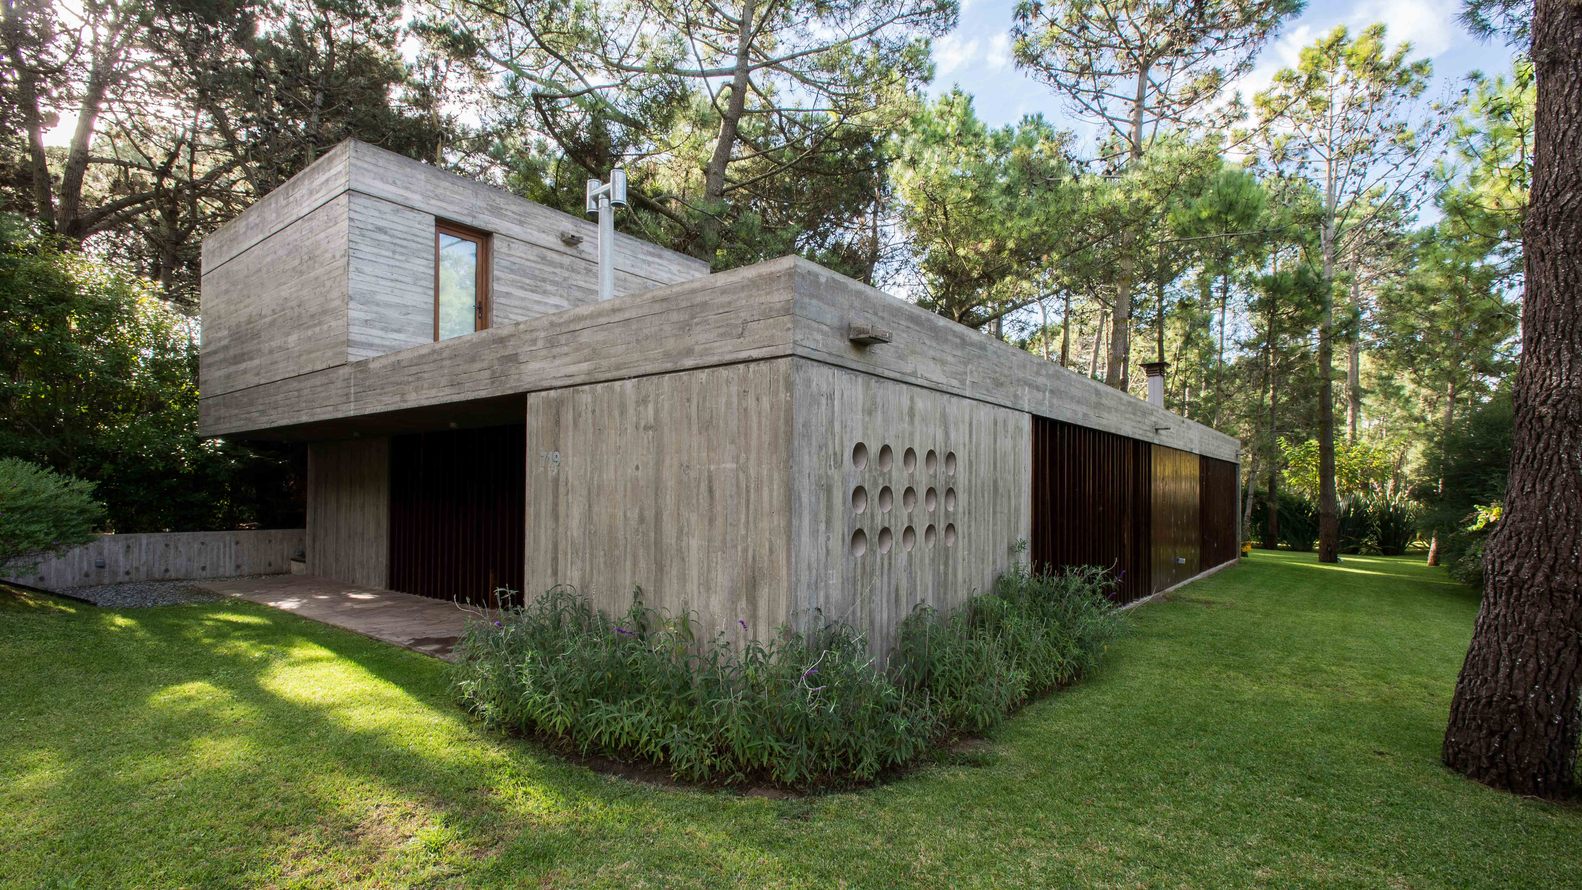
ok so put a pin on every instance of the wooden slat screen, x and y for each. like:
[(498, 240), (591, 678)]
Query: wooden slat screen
[(457, 513), (1091, 503), (1174, 521), (1220, 516)]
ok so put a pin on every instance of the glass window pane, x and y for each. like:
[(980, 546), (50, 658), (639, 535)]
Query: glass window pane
[(458, 285)]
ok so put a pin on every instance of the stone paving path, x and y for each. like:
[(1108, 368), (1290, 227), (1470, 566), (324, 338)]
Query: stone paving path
[(424, 625)]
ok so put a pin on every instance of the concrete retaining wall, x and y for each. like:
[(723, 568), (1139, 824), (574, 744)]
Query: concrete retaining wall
[(165, 556)]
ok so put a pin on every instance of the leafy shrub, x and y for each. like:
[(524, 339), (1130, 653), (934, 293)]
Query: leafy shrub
[(1377, 524), (968, 677), (1395, 523), (99, 380), (1358, 524), (42, 511), (1472, 463), (804, 709), (1298, 521)]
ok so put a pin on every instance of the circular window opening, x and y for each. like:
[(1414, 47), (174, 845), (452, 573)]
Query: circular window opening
[(908, 538), (931, 500), (859, 499), (886, 499), (859, 456), (886, 459), (931, 536), (909, 498), (950, 535), (950, 500), (859, 542), (886, 540), (909, 459), (932, 461)]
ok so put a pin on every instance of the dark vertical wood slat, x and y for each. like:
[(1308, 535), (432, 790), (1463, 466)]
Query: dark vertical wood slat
[(1091, 503), (1221, 523), (458, 500)]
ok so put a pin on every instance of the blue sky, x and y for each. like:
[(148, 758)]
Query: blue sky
[(977, 55)]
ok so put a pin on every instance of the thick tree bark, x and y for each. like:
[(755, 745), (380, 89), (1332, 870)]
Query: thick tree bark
[(1514, 722)]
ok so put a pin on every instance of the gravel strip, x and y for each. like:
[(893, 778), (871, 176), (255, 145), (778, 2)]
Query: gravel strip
[(137, 594)]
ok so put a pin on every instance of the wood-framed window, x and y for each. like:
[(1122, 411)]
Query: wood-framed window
[(461, 280)]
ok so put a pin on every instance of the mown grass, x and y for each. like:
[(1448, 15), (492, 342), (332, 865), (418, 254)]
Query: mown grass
[(1275, 725)]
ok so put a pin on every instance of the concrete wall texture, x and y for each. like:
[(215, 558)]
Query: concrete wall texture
[(164, 556)]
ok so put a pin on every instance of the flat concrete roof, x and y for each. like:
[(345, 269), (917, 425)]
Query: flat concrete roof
[(789, 307)]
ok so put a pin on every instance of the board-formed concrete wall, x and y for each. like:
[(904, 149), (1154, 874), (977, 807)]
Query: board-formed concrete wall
[(676, 483), (900, 496), (348, 533), (337, 265), (164, 556)]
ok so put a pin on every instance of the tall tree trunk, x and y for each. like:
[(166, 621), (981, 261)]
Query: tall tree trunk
[(1098, 345), (1159, 326), (1119, 358), (1514, 721), (1120, 325), (27, 99), (1271, 344), (1354, 367), (107, 57), (1328, 503), (1446, 423), (1219, 352), (1065, 331), (725, 142)]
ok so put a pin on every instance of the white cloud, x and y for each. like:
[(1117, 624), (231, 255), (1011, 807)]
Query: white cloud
[(951, 53), (998, 56), (1429, 26)]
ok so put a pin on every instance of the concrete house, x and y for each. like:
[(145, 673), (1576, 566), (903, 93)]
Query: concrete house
[(765, 444)]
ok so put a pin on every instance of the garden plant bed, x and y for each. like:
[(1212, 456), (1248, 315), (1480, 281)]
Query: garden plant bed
[(1287, 737)]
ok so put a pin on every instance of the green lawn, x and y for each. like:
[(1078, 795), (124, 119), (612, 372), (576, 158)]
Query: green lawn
[(1277, 724)]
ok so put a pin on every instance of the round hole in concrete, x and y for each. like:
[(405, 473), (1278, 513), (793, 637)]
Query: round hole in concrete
[(909, 498), (886, 499), (886, 459), (950, 500), (859, 499), (909, 459), (950, 535), (931, 536), (859, 455), (886, 540), (931, 500), (859, 542), (908, 538), (932, 461), (950, 463)]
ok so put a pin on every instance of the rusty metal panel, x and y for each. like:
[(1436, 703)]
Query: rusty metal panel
[(1221, 538), (1176, 535), (457, 513), (1091, 503)]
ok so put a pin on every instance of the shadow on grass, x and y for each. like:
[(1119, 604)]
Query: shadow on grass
[(171, 717)]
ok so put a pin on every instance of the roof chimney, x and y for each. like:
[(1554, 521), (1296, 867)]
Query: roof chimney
[(1156, 382)]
